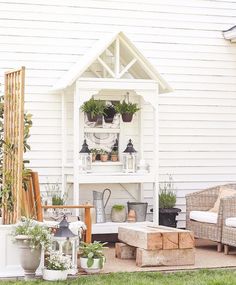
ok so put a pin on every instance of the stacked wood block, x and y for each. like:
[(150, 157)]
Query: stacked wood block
[(156, 246)]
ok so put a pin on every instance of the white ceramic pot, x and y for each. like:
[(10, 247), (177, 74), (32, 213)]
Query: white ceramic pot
[(29, 259), (54, 275), (95, 268)]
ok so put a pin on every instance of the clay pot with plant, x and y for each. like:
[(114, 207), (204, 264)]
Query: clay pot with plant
[(118, 213), (114, 155), (94, 153), (167, 201), (104, 155), (93, 109), (127, 110), (109, 113)]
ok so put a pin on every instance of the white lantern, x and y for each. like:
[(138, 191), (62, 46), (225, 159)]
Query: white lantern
[(85, 158), (129, 159), (67, 243)]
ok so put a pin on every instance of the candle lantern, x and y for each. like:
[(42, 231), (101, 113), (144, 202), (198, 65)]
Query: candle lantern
[(85, 158), (66, 243), (129, 158)]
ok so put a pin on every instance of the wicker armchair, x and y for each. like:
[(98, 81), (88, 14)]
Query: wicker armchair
[(228, 232), (203, 201)]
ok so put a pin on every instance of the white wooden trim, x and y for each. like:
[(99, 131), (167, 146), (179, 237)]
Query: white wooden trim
[(106, 67), (156, 162), (127, 67), (117, 57), (63, 142)]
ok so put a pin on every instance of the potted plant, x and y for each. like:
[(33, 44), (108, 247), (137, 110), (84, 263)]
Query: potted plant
[(94, 152), (92, 258), (118, 213), (167, 201), (56, 266), (109, 113), (31, 238), (114, 155), (127, 110), (104, 155), (57, 200), (94, 109)]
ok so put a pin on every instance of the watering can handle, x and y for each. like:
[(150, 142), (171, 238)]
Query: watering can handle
[(109, 195)]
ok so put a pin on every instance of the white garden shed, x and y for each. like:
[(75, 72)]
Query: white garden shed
[(112, 70)]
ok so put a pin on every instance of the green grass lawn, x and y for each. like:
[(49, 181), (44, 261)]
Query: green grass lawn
[(202, 277)]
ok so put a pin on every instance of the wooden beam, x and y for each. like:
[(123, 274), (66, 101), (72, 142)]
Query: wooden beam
[(106, 67), (127, 67)]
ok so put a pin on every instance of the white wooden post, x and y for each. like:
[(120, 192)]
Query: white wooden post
[(156, 157), (76, 145), (63, 141)]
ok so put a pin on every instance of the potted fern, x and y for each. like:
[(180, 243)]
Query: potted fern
[(127, 110), (92, 258), (93, 109), (167, 201), (109, 113)]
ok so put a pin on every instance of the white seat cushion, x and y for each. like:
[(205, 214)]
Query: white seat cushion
[(231, 222), (204, 216)]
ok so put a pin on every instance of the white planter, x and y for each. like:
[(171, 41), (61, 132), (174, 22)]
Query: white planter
[(54, 275), (95, 268)]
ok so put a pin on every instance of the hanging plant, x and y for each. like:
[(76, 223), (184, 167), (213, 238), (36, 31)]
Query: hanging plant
[(109, 113), (127, 110), (93, 109)]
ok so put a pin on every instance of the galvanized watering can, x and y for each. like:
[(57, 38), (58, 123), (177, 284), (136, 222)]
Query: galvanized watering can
[(98, 202)]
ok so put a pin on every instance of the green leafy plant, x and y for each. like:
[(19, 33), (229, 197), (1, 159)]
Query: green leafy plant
[(93, 251), (40, 235), (57, 200), (54, 193), (93, 107), (57, 261), (118, 207), (167, 195), (114, 152), (103, 152), (126, 108)]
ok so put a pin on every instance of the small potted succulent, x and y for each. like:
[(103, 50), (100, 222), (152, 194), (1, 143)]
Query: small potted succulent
[(127, 110), (109, 113), (167, 201), (94, 152), (94, 109), (118, 213), (56, 266), (103, 155), (92, 258), (114, 155), (31, 238)]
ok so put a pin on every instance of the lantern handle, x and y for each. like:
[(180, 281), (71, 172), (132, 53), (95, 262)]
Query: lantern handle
[(109, 195)]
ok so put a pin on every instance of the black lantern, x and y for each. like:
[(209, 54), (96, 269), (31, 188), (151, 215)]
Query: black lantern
[(129, 158), (64, 236), (85, 158)]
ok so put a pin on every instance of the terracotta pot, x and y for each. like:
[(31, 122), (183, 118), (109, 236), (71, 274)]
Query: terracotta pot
[(114, 157), (92, 119), (131, 216), (126, 117), (118, 216), (29, 259), (54, 275), (95, 268), (94, 157), (104, 157)]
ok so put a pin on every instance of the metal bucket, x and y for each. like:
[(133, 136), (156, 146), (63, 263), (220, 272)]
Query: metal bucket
[(140, 210)]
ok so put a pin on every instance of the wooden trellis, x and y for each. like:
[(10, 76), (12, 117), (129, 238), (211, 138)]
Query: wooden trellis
[(13, 146)]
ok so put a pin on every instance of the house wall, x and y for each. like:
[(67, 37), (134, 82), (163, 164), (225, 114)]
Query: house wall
[(182, 39)]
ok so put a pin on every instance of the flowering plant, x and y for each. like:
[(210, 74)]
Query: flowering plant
[(57, 261), (39, 235)]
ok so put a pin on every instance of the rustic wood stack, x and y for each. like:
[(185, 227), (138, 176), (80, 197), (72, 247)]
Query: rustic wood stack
[(155, 246)]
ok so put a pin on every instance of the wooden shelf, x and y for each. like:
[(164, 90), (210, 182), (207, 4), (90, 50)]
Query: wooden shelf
[(106, 163), (112, 177), (101, 130)]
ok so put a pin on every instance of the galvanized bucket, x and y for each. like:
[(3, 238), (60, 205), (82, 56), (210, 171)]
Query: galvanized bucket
[(140, 210)]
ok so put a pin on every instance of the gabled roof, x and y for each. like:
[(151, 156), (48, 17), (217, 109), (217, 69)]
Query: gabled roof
[(94, 53), (230, 34)]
